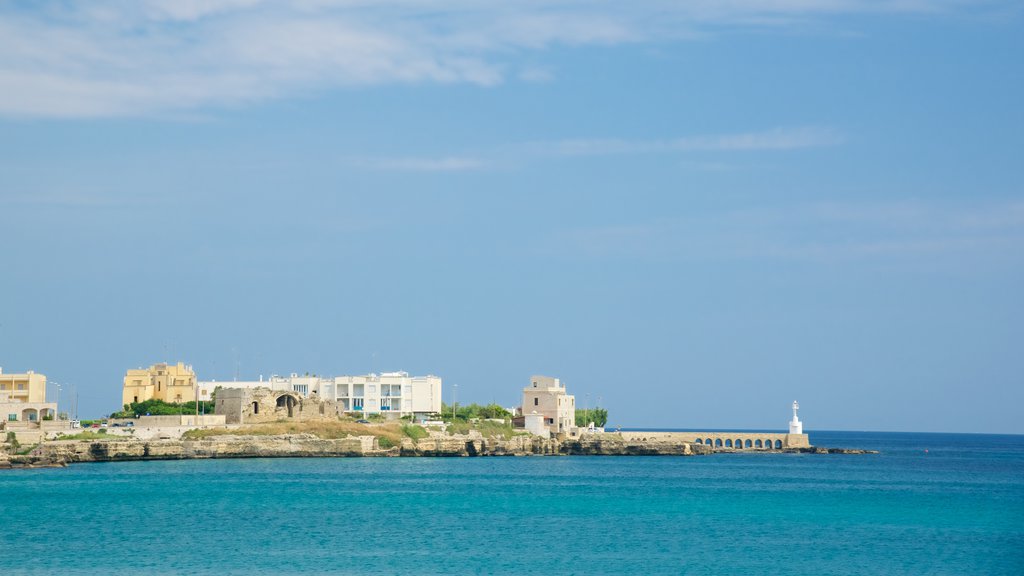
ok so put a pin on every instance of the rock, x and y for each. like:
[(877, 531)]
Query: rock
[(59, 452)]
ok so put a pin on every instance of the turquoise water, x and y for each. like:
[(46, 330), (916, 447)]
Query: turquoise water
[(957, 509)]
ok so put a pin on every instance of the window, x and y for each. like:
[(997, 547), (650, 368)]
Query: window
[(536, 401), (21, 386), (12, 417)]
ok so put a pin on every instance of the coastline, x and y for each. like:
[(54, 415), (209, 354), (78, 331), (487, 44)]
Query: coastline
[(60, 453)]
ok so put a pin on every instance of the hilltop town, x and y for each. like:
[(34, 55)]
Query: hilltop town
[(168, 412)]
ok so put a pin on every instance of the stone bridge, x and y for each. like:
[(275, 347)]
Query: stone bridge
[(727, 440)]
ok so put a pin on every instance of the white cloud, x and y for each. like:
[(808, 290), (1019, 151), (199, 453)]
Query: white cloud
[(413, 164), (776, 139), (135, 57), (824, 232)]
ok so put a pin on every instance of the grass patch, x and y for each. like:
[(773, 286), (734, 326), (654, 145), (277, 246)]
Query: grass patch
[(415, 432), (25, 451)]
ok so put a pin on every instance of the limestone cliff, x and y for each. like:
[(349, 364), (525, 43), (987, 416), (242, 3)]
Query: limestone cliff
[(309, 445)]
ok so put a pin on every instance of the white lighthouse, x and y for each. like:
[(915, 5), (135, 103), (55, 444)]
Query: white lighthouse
[(795, 425)]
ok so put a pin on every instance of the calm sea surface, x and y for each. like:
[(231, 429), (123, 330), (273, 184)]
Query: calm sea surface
[(956, 509)]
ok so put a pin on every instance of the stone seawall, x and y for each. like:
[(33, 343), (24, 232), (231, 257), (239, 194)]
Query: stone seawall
[(60, 452)]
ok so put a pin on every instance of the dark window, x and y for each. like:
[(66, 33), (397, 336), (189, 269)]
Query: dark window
[(536, 401)]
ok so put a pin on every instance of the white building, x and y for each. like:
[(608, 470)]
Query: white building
[(389, 392), (546, 396)]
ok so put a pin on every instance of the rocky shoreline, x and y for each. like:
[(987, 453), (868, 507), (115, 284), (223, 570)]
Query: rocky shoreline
[(59, 453)]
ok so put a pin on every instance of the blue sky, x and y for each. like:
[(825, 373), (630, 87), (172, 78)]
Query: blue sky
[(696, 212)]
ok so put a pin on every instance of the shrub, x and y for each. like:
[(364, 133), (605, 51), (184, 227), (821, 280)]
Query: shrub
[(415, 432), (599, 416)]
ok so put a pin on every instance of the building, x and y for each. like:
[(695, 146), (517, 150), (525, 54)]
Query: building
[(23, 405), (387, 393), (166, 382), (546, 396), (27, 387)]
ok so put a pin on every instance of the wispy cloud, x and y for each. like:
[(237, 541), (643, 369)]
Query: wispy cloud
[(813, 232), (776, 139), (779, 139), (411, 164), (139, 57)]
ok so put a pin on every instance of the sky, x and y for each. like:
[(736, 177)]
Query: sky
[(692, 213)]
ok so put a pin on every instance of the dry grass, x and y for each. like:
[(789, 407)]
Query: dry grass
[(326, 429), (486, 428)]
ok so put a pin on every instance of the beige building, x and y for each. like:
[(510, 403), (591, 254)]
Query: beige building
[(546, 396), (23, 404), (170, 383), (27, 387)]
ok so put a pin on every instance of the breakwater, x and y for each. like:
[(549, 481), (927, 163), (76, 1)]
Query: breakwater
[(62, 452)]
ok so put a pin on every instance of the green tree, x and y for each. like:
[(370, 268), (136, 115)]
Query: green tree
[(156, 407), (599, 416)]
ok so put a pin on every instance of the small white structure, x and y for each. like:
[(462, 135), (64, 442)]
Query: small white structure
[(534, 424), (795, 425)]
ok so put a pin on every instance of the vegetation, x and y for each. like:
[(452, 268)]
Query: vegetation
[(471, 411), (25, 451), (160, 408), (486, 428), (12, 440), (415, 432), (599, 416)]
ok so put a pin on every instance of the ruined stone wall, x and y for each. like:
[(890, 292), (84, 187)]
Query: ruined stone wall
[(255, 405)]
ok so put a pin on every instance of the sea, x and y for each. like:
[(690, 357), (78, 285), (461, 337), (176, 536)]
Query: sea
[(929, 504)]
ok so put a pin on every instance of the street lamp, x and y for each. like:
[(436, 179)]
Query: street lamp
[(57, 403), (455, 400)]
